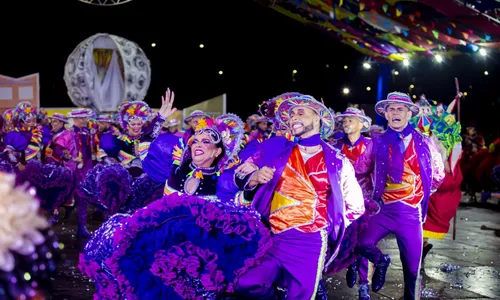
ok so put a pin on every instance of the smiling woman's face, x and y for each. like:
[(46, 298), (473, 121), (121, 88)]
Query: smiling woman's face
[(203, 151)]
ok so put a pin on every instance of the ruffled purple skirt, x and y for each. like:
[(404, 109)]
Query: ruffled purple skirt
[(144, 191), (97, 250), (54, 184), (179, 247), (347, 254), (107, 187)]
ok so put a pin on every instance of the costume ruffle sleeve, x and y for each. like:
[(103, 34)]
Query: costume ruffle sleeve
[(437, 165), (351, 191), (15, 141), (109, 146), (365, 163), (46, 137), (164, 154), (54, 183)]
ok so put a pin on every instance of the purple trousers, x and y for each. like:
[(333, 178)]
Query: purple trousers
[(295, 259), (365, 271), (405, 223)]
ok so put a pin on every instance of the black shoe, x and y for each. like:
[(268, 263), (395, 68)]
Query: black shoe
[(426, 250), (321, 294), (378, 279), (352, 274), (68, 210)]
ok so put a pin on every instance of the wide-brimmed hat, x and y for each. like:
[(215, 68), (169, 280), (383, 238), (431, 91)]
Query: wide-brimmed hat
[(172, 123), (60, 117), (105, 119), (327, 119), (134, 110), (357, 113), (195, 114), (80, 113), (23, 111), (375, 128), (396, 97)]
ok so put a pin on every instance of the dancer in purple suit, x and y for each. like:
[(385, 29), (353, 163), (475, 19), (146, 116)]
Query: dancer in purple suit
[(407, 167), (83, 141), (354, 122), (307, 192)]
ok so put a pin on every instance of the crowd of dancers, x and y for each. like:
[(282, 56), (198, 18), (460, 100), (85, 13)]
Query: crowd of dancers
[(228, 209)]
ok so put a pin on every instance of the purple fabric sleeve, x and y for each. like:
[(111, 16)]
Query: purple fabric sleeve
[(46, 137), (365, 163), (154, 129), (110, 144), (16, 141)]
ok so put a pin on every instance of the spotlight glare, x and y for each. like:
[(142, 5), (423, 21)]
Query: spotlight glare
[(202, 46), (396, 73), (406, 62), (482, 51), (486, 73), (368, 88), (345, 91), (412, 86), (345, 67), (153, 45), (220, 72), (366, 65), (414, 96), (294, 71), (439, 58)]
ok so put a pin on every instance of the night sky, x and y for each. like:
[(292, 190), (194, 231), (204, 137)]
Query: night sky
[(256, 47)]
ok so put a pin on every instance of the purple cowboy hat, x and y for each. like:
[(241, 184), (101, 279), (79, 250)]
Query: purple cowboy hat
[(60, 117), (355, 112), (105, 119), (194, 114), (172, 123), (327, 119), (396, 97), (80, 113)]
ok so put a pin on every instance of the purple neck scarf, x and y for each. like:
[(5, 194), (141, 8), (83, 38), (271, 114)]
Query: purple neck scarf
[(311, 141), (348, 141), (396, 142)]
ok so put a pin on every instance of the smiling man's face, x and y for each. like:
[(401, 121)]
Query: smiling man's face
[(304, 122), (398, 115)]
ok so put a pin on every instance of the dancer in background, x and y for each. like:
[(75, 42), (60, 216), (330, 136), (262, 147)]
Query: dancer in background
[(354, 122), (172, 127), (191, 122), (131, 147), (83, 141), (26, 141), (407, 168)]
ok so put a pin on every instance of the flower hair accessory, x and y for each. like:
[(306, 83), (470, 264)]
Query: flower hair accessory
[(228, 129), (8, 114), (23, 111), (134, 110)]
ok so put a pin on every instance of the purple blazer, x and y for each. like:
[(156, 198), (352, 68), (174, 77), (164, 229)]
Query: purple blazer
[(375, 160), (345, 204)]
